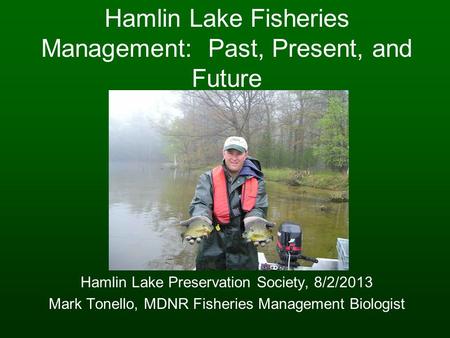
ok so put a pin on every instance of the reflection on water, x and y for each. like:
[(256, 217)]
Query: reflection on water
[(145, 204), (321, 221)]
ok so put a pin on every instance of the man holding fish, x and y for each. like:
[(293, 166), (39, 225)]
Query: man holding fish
[(228, 212)]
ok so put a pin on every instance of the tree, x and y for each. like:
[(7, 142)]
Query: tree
[(332, 145), (295, 129)]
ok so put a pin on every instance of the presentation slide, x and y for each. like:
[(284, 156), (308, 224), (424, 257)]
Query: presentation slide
[(170, 165)]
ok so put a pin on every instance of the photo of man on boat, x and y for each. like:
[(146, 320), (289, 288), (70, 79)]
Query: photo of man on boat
[(228, 180)]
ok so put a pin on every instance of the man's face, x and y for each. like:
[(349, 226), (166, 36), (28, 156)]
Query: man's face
[(234, 160)]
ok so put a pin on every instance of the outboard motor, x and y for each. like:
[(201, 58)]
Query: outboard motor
[(289, 245)]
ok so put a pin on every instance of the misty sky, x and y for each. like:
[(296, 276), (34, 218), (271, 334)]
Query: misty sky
[(124, 104)]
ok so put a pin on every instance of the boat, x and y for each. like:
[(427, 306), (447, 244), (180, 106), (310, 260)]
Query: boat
[(289, 248)]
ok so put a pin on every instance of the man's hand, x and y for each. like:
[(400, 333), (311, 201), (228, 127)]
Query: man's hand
[(258, 230), (198, 227)]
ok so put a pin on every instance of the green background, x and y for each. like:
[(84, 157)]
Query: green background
[(54, 165)]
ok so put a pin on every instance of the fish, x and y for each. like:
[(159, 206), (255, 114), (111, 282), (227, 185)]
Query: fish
[(197, 229), (258, 233)]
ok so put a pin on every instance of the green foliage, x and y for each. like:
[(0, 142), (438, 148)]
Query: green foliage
[(264, 150), (308, 160), (331, 181), (303, 129), (321, 180), (332, 145), (173, 145), (278, 174)]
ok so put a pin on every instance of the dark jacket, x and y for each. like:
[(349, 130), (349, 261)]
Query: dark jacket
[(225, 248)]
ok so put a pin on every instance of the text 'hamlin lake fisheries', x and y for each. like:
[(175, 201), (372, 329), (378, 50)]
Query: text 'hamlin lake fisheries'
[(258, 17)]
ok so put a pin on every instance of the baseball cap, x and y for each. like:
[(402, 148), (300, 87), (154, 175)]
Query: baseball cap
[(236, 142)]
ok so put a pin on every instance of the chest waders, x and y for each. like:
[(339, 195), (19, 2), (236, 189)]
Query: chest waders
[(225, 249)]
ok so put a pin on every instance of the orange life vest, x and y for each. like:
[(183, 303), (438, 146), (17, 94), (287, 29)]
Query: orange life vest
[(221, 203)]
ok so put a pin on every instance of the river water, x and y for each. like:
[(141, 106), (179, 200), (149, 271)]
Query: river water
[(146, 203)]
